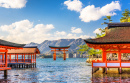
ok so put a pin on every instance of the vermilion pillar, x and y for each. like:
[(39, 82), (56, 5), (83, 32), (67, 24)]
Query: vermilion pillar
[(10, 57), (119, 57), (54, 56), (17, 57), (35, 57), (2, 57), (24, 57), (6, 59), (31, 58), (64, 56), (103, 56)]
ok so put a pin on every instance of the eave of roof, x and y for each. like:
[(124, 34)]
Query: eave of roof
[(116, 33), (11, 44), (112, 25), (91, 42), (30, 47)]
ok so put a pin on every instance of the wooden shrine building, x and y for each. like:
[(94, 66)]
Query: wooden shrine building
[(25, 57), (115, 46), (5, 46), (57, 48)]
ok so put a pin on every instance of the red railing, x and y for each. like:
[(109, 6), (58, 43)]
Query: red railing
[(2, 64), (1, 61), (98, 63), (33, 60), (21, 60)]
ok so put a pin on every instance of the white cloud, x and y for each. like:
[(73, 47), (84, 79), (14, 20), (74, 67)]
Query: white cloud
[(25, 32), (74, 36), (84, 36), (13, 3), (97, 31), (74, 30), (74, 5), (60, 33), (92, 13)]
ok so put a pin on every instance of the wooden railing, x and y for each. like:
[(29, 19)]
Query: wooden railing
[(21, 60), (110, 64), (33, 60), (2, 64), (1, 61)]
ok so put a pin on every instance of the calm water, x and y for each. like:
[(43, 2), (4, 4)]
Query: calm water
[(74, 70)]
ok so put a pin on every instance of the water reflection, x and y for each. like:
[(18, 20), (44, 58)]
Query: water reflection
[(111, 77)]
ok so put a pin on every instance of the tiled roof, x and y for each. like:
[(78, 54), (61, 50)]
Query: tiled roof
[(7, 43), (113, 25), (116, 33), (24, 50)]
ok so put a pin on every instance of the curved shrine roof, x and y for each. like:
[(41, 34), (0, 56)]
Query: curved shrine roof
[(7, 43), (116, 33)]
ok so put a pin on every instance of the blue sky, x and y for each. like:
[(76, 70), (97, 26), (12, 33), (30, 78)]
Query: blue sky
[(25, 21)]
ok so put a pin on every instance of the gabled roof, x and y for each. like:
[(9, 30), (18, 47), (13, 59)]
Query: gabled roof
[(24, 50), (116, 33), (7, 43)]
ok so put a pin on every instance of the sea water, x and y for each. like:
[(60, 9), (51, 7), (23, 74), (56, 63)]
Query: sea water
[(72, 70)]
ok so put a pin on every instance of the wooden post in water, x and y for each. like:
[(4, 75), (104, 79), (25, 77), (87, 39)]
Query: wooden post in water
[(35, 59), (5, 73), (35, 65), (54, 54), (106, 70), (103, 70), (64, 56)]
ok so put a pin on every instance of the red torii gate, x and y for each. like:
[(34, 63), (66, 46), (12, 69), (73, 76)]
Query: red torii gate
[(57, 48)]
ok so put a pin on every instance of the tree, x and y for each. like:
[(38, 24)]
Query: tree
[(126, 16), (90, 51), (83, 48), (94, 52), (107, 18), (102, 34), (103, 30)]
